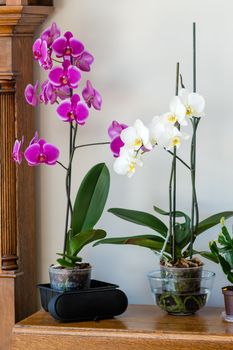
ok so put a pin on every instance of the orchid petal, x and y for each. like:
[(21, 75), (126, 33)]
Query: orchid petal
[(129, 136), (32, 153), (59, 46), (77, 47), (74, 76), (116, 145), (97, 101), (30, 94), (81, 113), (63, 110), (51, 152), (55, 76), (183, 94), (197, 103), (74, 100)]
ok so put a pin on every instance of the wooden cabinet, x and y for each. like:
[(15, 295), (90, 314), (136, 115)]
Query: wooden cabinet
[(17, 190), (141, 327)]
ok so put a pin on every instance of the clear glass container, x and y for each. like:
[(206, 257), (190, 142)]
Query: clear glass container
[(181, 292), (68, 279)]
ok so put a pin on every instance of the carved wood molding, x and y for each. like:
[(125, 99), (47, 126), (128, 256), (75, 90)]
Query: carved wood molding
[(17, 188), (8, 177)]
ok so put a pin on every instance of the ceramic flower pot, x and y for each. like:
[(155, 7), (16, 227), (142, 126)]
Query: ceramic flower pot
[(181, 292), (228, 300), (70, 279)]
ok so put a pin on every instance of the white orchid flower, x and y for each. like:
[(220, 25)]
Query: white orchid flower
[(126, 163), (156, 129), (165, 134), (193, 102), (177, 112), (136, 136)]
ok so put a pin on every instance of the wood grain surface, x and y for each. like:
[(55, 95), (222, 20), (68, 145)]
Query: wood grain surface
[(17, 188), (141, 327)]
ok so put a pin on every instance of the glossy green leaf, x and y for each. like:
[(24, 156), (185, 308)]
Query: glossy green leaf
[(182, 230), (65, 263), (148, 241), (71, 257), (141, 218), (230, 277), (91, 198), (212, 221), (167, 213), (78, 241), (224, 238), (207, 255), (224, 264)]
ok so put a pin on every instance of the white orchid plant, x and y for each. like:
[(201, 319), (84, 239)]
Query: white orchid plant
[(130, 144)]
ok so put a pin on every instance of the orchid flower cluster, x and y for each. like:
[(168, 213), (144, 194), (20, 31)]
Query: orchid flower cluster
[(65, 59), (50, 50), (130, 143)]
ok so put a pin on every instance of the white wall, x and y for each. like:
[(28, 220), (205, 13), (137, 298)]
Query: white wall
[(136, 45)]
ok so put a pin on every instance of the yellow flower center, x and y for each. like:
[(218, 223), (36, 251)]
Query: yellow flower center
[(175, 141), (131, 168), (137, 143), (189, 111), (172, 118)]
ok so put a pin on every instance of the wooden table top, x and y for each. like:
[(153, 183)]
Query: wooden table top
[(140, 324)]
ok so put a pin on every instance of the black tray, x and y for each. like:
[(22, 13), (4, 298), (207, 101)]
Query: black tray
[(101, 300)]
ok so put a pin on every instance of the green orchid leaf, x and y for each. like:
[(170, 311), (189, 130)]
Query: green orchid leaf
[(70, 257), (228, 256), (224, 238), (212, 221), (207, 255), (224, 264), (182, 234), (65, 263), (78, 241), (91, 198), (178, 213), (141, 218), (230, 277), (148, 241), (182, 230)]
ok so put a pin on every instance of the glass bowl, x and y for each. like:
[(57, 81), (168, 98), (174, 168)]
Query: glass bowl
[(181, 295)]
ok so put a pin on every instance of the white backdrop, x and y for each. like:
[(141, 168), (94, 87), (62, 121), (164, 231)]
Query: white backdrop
[(136, 45)]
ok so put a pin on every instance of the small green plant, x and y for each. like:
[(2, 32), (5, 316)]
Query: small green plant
[(222, 250)]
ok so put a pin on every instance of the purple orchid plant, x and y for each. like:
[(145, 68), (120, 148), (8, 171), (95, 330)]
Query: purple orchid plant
[(65, 58)]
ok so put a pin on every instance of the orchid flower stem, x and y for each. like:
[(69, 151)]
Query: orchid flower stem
[(195, 122), (92, 144), (68, 187), (178, 158), (172, 189), (195, 209), (62, 165), (54, 59)]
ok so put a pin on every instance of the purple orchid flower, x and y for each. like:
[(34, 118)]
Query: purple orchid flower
[(30, 94), (50, 34), (17, 154), (42, 54), (114, 132), (92, 96), (68, 75), (50, 93), (40, 51), (67, 45), (84, 61), (39, 152), (34, 139), (73, 110)]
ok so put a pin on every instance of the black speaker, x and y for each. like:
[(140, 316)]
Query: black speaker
[(100, 301)]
